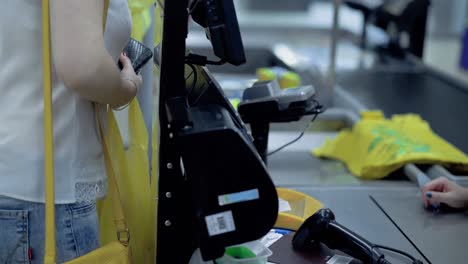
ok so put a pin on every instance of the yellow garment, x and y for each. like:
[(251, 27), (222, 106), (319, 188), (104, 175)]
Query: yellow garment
[(136, 189), (376, 146), (141, 17)]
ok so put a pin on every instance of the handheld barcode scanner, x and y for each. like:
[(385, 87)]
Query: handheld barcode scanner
[(322, 227)]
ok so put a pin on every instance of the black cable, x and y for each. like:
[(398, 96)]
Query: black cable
[(195, 78), (220, 62), (318, 108), (202, 60), (205, 89), (415, 261), (188, 77), (296, 139), (401, 231), (289, 143)]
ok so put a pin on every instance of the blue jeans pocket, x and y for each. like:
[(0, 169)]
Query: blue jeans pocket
[(14, 239), (85, 227)]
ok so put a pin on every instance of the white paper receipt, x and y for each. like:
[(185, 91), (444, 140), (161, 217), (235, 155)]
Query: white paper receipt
[(337, 259), (220, 223)]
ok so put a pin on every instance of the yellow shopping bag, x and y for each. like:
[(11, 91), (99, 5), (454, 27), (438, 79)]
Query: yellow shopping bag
[(376, 146), (137, 191)]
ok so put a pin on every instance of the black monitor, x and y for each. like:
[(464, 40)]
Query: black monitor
[(219, 19)]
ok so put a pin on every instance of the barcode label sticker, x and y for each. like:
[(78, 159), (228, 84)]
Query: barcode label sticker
[(220, 223)]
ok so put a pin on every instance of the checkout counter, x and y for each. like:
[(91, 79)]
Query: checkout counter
[(386, 212)]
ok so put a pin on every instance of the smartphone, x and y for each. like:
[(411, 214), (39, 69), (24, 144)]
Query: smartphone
[(138, 54)]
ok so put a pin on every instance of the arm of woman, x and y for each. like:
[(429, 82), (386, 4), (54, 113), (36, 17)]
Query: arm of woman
[(442, 190), (80, 57)]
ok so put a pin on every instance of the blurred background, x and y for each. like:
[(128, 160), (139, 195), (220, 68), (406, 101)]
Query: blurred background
[(300, 21)]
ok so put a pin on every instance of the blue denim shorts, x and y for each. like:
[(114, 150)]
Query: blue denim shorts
[(22, 231)]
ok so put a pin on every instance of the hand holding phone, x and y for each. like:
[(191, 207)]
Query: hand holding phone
[(131, 81), (138, 54)]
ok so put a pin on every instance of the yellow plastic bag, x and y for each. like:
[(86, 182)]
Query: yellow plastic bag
[(136, 189), (376, 146)]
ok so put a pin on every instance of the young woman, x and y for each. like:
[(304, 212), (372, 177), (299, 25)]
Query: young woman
[(84, 71)]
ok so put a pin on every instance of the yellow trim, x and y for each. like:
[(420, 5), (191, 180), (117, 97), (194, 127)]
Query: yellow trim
[(302, 207)]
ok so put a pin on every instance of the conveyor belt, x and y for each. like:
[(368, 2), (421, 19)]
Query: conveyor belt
[(443, 105)]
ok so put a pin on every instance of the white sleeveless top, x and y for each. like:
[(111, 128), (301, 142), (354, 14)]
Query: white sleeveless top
[(79, 166)]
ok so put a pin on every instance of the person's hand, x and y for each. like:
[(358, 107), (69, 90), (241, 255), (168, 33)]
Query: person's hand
[(131, 82), (442, 190)]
